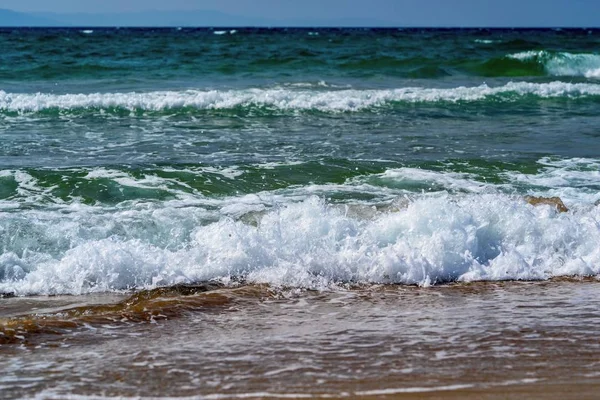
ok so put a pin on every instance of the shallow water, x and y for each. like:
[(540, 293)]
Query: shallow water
[(255, 341)]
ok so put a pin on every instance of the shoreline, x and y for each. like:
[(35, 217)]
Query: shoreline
[(486, 340)]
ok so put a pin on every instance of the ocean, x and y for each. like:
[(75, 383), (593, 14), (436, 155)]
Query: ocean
[(299, 213)]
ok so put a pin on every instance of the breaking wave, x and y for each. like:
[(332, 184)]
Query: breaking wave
[(347, 100), (431, 239), (562, 63)]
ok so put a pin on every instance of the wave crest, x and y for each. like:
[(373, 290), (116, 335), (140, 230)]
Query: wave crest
[(435, 239), (563, 63), (288, 99)]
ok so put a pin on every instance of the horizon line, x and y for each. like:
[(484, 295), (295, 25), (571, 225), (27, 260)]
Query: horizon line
[(296, 27)]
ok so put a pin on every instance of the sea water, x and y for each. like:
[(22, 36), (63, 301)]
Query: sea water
[(286, 161)]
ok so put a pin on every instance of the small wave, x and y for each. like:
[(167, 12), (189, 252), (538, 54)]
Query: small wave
[(574, 179), (150, 306), (486, 41), (563, 63), (288, 99)]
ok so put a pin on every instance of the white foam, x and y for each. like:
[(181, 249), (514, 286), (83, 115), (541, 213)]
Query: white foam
[(575, 180), (28, 190), (592, 73), (527, 55), (319, 84), (447, 180), (227, 172), (277, 164), (578, 162), (563, 63), (389, 392), (289, 99), (566, 64), (436, 239), (100, 173)]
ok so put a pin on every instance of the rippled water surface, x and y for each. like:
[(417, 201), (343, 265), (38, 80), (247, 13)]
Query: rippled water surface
[(254, 341), (299, 212)]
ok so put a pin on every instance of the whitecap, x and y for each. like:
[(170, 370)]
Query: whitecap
[(435, 239), (563, 63), (334, 100)]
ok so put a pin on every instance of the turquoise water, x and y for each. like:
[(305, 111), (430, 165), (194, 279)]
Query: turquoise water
[(134, 158)]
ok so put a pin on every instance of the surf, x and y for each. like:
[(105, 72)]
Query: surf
[(282, 99), (311, 244)]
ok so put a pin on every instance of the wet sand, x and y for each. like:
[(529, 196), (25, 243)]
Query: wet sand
[(462, 341)]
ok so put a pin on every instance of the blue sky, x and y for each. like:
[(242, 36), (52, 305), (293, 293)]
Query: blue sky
[(401, 12)]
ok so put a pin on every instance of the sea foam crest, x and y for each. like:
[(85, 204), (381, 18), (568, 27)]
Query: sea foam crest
[(312, 244), (563, 63), (289, 99)]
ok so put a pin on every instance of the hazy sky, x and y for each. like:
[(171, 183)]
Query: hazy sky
[(402, 12)]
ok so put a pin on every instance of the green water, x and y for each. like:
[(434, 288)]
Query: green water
[(128, 142)]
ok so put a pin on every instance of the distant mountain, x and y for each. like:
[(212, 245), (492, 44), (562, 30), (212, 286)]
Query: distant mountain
[(9, 18), (155, 18), (200, 18)]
